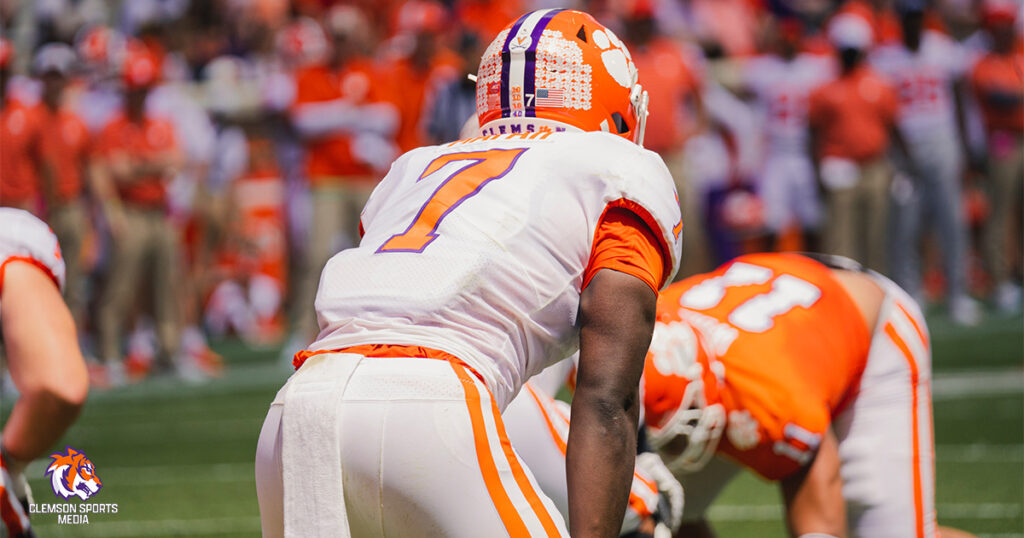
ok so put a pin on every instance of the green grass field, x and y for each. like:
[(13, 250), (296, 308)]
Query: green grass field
[(178, 459)]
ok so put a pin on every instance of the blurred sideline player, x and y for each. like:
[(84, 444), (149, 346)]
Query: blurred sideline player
[(997, 81), (853, 121), (19, 141), (135, 157), (64, 155), (41, 351), (928, 70), (818, 378), (482, 262), (780, 83)]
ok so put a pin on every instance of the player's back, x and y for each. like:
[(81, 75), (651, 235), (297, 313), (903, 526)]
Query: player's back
[(478, 248), (792, 343)]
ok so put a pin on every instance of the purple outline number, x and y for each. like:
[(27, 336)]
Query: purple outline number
[(463, 171)]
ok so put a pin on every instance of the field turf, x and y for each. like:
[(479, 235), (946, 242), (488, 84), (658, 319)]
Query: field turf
[(177, 459)]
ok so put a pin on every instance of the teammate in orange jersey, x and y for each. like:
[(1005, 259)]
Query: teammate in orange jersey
[(135, 155), (483, 261), (64, 153), (998, 84), (852, 121), (815, 376), (19, 142), (41, 348)]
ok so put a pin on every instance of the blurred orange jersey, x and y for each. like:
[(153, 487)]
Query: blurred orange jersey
[(487, 17), (671, 81), (330, 155), (138, 140), (787, 345), (410, 86), (19, 145), (65, 148), (998, 82), (853, 115)]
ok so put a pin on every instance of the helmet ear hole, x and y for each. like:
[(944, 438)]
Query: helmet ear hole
[(620, 123)]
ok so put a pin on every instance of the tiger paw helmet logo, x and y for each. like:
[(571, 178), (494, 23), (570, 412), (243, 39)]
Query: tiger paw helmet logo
[(72, 474)]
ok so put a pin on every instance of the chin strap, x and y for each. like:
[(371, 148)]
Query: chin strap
[(638, 96)]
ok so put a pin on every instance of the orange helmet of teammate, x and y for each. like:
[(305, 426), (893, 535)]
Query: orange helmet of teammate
[(142, 68), (552, 68), (684, 416)]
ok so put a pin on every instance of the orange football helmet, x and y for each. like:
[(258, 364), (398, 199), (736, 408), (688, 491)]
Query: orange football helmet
[(142, 68), (553, 68), (684, 416)]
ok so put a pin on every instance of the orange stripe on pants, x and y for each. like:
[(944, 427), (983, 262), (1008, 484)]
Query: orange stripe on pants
[(917, 326), (890, 330), (521, 479), (506, 509), (559, 442)]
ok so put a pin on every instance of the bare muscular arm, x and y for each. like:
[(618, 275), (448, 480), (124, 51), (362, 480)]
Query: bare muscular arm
[(616, 318), (45, 362)]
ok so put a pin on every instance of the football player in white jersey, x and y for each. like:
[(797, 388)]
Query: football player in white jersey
[(780, 82), (482, 261), (41, 352), (928, 69)]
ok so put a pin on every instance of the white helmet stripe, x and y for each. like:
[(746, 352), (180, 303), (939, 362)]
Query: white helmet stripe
[(517, 45)]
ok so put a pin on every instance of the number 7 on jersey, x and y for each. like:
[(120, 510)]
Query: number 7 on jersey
[(484, 166)]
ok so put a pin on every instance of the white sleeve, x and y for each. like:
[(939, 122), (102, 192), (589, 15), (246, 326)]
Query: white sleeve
[(645, 183), (23, 236)]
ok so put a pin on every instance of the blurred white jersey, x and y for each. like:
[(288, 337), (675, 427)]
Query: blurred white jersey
[(925, 82), (24, 237), (781, 89), (478, 248)]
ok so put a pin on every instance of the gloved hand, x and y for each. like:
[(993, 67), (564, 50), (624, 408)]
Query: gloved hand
[(670, 488)]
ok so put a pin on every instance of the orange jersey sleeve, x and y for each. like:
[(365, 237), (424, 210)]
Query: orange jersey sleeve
[(624, 243)]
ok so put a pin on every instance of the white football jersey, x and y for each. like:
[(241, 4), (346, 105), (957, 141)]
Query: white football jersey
[(24, 237), (924, 80), (781, 89), (478, 248)]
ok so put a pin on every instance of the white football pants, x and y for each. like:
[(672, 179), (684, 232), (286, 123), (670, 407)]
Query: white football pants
[(356, 446)]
